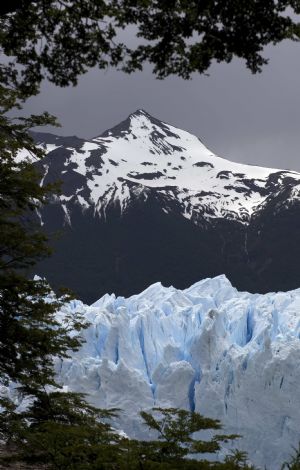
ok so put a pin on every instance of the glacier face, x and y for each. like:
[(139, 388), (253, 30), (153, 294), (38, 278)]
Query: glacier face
[(230, 355)]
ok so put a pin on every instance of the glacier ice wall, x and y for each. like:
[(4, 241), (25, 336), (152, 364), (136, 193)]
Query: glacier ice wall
[(230, 355)]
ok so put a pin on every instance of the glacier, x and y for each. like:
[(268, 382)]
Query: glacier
[(229, 355)]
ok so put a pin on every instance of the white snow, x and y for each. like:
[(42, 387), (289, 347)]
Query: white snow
[(30, 157), (25, 156), (230, 355), (176, 159)]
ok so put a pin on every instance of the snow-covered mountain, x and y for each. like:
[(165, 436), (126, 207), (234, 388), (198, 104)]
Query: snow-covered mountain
[(143, 153), (230, 355), (146, 201)]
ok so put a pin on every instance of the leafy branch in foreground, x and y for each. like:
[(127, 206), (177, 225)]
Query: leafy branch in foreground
[(178, 444), (30, 335), (61, 39), (61, 430), (294, 462)]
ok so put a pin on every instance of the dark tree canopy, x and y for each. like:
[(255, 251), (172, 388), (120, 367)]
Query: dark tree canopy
[(60, 39), (30, 334), (179, 444)]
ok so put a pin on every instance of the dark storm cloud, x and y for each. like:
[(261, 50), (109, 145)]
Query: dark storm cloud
[(244, 117)]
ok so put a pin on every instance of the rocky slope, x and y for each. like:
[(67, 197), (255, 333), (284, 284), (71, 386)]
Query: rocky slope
[(148, 202)]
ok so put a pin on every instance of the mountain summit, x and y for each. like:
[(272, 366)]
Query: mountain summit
[(146, 201)]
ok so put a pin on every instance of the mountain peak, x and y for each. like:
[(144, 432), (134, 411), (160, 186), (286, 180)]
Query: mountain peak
[(139, 120), (143, 154), (140, 112)]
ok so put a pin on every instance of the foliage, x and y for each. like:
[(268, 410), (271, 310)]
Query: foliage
[(30, 335), (63, 38), (177, 439), (62, 431), (185, 36), (237, 460), (60, 39), (294, 462)]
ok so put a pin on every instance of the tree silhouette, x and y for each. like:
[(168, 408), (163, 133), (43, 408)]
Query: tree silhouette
[(61, 39)]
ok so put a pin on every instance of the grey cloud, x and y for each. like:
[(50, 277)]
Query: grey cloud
[(243, 117)]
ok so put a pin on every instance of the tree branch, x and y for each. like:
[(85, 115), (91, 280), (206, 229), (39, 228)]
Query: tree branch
[(10, 7)]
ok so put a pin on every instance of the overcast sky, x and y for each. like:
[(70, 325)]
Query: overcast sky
[(240, 116)]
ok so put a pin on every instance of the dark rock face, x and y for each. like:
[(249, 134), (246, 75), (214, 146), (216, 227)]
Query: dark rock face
[(124, 253), (139, 230)]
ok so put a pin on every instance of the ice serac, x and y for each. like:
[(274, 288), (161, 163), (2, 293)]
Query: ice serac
[(230, 355)]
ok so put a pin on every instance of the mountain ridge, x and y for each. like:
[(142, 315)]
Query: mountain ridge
[(146, 201), (187, 169)]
